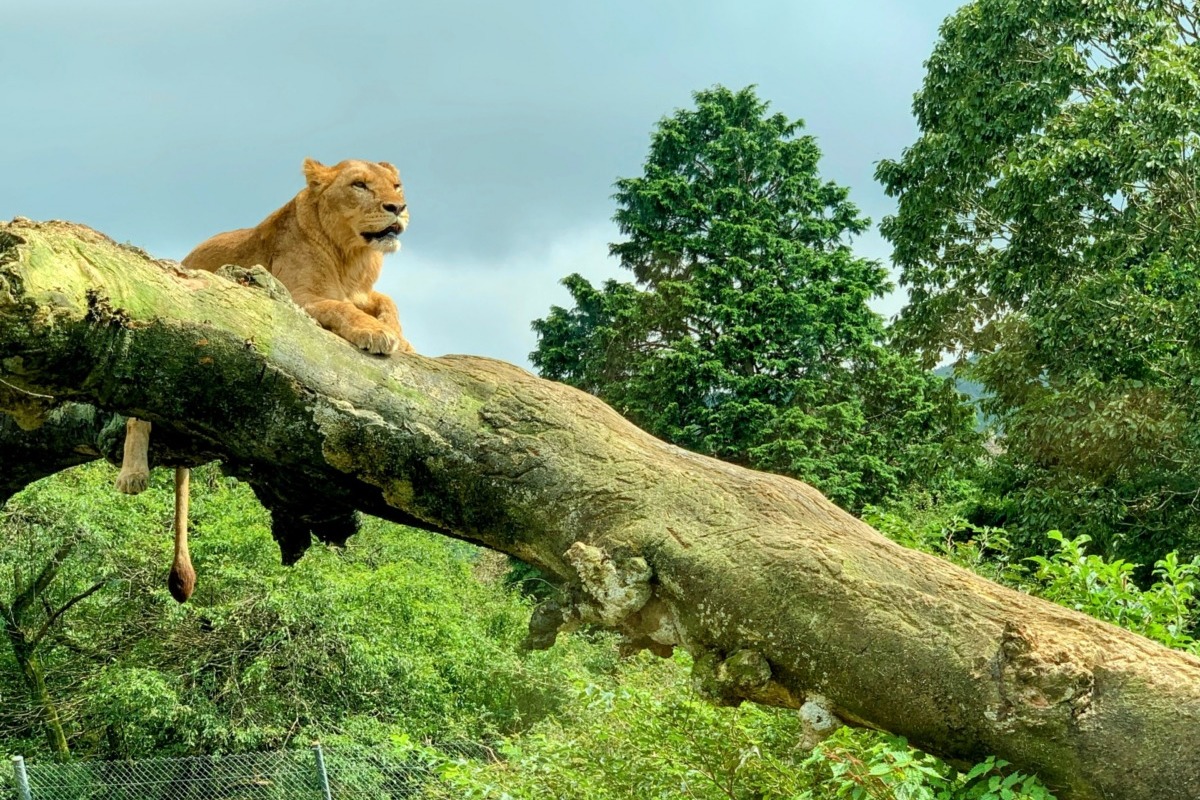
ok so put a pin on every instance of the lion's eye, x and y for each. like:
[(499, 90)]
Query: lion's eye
[(396, 187), (359, 184)]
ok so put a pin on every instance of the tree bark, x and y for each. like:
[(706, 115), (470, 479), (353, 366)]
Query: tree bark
[(782, 597)]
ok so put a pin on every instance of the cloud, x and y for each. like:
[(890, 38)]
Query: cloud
[(485, 306), (164, 123)]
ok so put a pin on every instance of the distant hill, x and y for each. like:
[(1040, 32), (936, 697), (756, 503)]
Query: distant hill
[(971, 389), (974, 391)]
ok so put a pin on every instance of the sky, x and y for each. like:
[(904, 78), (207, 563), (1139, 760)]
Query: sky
[(162, 123)]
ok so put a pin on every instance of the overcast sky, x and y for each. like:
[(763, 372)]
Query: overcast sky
[(162, 123)]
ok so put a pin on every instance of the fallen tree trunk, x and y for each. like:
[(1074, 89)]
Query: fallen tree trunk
[(782, 597)]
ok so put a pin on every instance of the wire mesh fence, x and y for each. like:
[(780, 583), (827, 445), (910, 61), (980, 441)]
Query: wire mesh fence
[(316, 774)]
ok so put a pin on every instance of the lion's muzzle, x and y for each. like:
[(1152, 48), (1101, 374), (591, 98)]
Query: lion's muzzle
[(390, 232)]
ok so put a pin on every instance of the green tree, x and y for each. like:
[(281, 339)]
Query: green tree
[(391, 635), (1047, 230), (29, 618), (747, 335), (71, 598)]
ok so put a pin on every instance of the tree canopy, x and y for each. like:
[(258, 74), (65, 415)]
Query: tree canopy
[(746, 333), (1047, 231)]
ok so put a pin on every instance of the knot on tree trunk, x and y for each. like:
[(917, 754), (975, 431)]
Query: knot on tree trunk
[(818, 721), (614, 591), (257, 277), (1039, 682), (611, 589), (744, 674)]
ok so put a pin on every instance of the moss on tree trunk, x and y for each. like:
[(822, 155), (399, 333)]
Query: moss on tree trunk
[(783, 597)]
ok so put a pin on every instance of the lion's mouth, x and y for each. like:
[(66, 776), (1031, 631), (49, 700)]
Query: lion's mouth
[(390, 232)]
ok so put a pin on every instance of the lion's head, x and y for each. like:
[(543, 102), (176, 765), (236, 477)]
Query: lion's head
[(358, 203)]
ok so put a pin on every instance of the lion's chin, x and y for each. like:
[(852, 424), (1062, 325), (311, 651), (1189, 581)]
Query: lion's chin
[(388, 245)]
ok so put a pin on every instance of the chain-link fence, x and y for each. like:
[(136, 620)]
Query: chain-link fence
[(316, 774)]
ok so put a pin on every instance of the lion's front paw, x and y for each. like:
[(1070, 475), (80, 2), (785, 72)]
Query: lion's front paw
[(392, 323), (132, 481), (378, 341)]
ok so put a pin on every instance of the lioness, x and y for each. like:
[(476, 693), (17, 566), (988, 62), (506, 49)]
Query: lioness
[(326, 245)]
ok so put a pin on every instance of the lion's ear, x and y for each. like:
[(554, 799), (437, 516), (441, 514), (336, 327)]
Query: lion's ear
[(316, 173), (390, 168)]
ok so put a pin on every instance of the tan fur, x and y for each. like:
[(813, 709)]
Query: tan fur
[(135, 465), (315, 245), (182, 580)]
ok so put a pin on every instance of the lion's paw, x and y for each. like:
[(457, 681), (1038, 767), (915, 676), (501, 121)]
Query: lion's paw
[(378, 341), (132, 481)]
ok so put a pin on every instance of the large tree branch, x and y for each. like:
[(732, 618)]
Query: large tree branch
[(75, 433), (69, 435), (782, 597)]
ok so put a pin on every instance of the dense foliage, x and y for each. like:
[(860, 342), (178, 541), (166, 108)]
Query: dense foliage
[(406, 638), (1046, 231), (1048, 228), (400, 639), (747, 333), (394, 633)]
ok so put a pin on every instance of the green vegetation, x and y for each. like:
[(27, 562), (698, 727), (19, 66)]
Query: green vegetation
[(1048, 235), (404, 637), (747, 335), (1048, 230), (394, 633)]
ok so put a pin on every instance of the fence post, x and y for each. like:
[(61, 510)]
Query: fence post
[(320, 755), (23, 792)]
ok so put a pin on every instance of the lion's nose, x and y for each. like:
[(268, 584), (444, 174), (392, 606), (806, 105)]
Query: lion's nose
[(394, 208)]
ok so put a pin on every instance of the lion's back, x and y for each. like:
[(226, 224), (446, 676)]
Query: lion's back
[(243, 247)]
